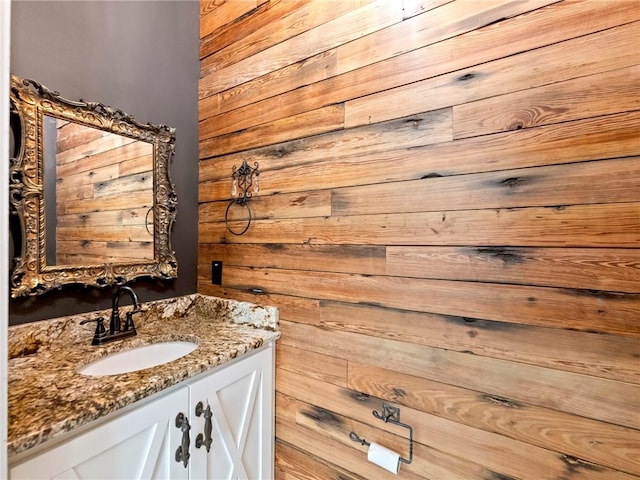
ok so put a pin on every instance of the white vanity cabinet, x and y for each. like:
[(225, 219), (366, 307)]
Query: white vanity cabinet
[(236, 400)]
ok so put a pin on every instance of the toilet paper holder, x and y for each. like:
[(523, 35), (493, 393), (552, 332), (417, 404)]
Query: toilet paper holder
[(389, 415)]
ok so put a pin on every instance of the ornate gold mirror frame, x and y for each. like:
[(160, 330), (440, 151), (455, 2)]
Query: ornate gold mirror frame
[(34, 272)]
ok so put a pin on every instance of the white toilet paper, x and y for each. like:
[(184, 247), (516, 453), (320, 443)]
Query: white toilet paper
[(383, 457)]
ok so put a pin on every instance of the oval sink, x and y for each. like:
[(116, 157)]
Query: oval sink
[(138, 358)]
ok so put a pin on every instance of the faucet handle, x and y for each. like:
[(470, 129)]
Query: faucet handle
[(128, 324), (100, 330)]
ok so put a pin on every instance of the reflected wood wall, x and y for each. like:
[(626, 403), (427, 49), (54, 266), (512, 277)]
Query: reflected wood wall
[(104, 190), (448, 220)]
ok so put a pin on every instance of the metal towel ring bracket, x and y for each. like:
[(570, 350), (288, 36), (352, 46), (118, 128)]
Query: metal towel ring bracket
[(226, 217), (244, 178)]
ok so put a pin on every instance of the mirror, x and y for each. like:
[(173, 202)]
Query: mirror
[(91, 189)]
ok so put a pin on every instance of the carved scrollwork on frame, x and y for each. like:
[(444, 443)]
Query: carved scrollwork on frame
[(100, 193)]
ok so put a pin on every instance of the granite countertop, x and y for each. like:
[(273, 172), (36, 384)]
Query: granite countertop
[(48, 397)]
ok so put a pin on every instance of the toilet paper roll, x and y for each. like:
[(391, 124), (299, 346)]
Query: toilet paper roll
[(383, 457)]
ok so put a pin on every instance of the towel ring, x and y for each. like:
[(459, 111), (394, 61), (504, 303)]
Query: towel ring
[(226, 217)]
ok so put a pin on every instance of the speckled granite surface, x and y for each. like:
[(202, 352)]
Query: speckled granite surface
[(47, 397)]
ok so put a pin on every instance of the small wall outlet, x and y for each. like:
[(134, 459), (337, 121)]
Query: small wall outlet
[(216, 272)]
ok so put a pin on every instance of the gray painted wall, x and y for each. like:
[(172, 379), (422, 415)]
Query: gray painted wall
[(140, 57)]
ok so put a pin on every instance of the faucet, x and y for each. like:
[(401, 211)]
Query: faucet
[(116, 330), (115, 324)]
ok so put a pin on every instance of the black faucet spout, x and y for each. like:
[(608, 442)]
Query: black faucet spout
[(116, 329), (115, 325)]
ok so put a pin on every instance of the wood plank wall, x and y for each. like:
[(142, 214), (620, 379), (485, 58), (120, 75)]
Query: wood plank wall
[(449, 221), (104, 191)]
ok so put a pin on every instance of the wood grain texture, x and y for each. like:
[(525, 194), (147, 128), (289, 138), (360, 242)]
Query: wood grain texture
[(216, 13), (599, 399), (597, 442), (451, 19), (311, 41), (602, 312), (597, 138), (448, 220), (265, 13), (315, 122), (572, 184), (582, 268), (508, 460), (589, 55), (410, 132), (591, 96), (364, 259), (290, 459), (310, 204), (612, 225), (567, 350)]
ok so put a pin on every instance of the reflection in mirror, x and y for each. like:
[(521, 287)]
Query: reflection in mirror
[(101, 185), (90, 186)]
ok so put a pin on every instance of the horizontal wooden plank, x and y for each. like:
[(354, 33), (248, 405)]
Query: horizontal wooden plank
[(582, 268), (363, 51), (292, 205), (602, 51), (425, 464), (410, 132), (322, 367), (598, 442), (70, 135), (100, 145), (598, 398), (331, 258), (444, 58), (601, 94), (612, 136), (87, 177), (137, 164), (320, 446), (135, 199), (266, 13), (107, 233), (451, 19), (307, 71), (129, 216), (325, 34), (123, 249), (116, 187), (289, 459), (216, 13), (495, 452), (120, 251), (134, 151), (315, 122), (290, 22), (612, 226), (581, 310), (318, 423), (610, 181), (416, 7), (606, 356)]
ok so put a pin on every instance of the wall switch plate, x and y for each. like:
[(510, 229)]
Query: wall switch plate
[(216, 272)]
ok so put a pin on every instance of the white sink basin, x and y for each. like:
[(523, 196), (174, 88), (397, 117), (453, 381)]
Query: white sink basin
[(138, 358)]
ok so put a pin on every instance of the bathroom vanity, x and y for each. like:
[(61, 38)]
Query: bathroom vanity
[(208, 414)]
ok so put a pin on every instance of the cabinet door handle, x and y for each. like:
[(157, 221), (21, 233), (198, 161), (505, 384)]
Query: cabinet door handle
[(205, 440), (182, 453)]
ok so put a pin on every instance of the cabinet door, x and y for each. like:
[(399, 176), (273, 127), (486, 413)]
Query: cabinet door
[(140, 444), (241, 401)]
